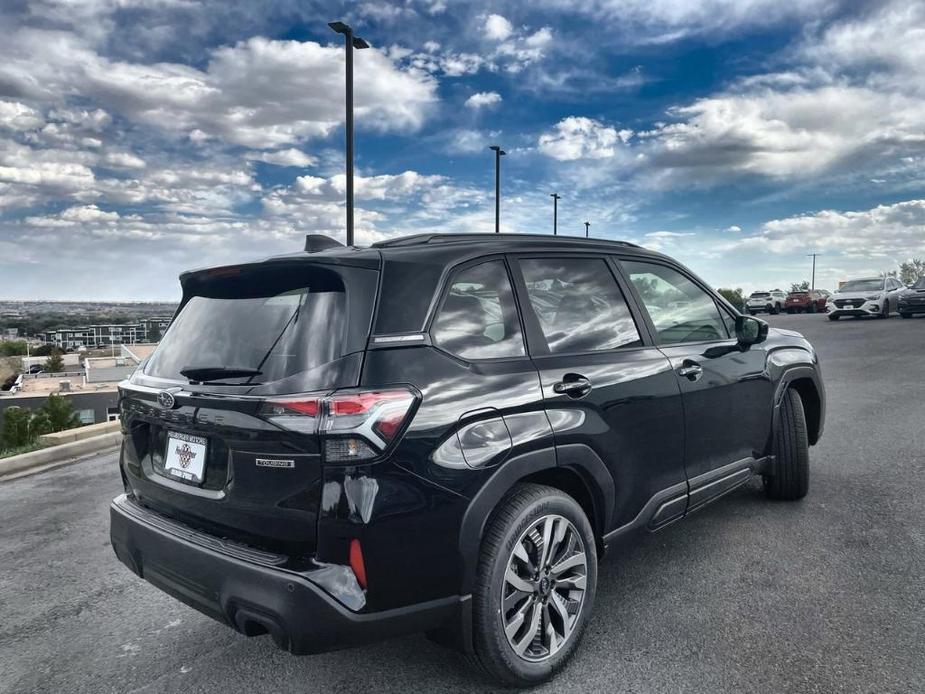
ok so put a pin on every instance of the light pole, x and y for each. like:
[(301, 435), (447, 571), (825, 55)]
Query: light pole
[(350, 42), (555, 212), (498, 154), (813, 256), (587, 227)]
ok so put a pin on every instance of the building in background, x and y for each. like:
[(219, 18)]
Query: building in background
[(104, 335), (92, 389)]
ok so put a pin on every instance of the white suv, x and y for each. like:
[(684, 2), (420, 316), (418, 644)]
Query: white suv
[(867, 296), (772, 302)]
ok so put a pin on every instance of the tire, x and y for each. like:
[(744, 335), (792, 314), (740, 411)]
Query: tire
[(885, 311), (906, 315), (812, 308), (788, 477), (513, 524), (834, 317), (791, 311), (752, 313)]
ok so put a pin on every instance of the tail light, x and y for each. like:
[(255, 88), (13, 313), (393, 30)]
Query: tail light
[(354, 424)]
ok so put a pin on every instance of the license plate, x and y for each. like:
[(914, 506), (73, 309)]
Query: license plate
[(185, 457)]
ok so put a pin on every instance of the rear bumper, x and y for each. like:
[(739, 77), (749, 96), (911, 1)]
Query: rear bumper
[(244, 590), (911, 308)]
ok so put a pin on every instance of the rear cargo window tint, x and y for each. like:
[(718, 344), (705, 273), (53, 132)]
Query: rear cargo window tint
[(478, 317), (579, 305), (275, 322)]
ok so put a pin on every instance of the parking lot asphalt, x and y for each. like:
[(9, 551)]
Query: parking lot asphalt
[(823, 595)]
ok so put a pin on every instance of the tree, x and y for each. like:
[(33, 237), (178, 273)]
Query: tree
[(801, 287), (17, 431), (59, 413), (43, 350), (13, 348), (54, 363), (910, 271), (734, 297), (154, 334)]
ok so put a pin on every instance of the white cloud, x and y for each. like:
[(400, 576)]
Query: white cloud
[(258, 93), (483, 100), (663, 21), (74, 216), (734, 229), (123, 160), (19, 117), (578, 137), (284, 157), (897, 229), (858, 105), (497, 28)]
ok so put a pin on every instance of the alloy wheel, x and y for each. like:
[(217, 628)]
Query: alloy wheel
[(544, 588)]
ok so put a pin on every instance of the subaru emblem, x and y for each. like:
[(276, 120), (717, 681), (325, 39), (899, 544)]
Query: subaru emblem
[(166, 400)]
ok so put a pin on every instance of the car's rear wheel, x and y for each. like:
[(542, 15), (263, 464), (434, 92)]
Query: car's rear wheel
[(535, 587), (812, 308), (885, 309), (787, 477)]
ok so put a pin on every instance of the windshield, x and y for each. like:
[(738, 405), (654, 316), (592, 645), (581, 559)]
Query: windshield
[(919, 283), (254, 329), (862, 286)]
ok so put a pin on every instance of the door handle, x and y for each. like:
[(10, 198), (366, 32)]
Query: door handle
[(573, 385), (690, 369)]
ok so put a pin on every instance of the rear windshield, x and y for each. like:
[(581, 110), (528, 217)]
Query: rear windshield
[(277, 323), (799, 294), (759, 295), (861, 286)]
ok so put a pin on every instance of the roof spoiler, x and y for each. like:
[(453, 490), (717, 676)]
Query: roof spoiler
[(320, 242)]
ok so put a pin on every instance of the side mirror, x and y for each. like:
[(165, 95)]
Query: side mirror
[(750, 330)]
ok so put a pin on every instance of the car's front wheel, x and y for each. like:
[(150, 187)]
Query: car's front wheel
[(906, 315), (535, 586), (834, 317), (885, 310), (787, 477)]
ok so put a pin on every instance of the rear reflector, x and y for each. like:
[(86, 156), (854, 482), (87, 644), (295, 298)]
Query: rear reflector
[(356, 562)]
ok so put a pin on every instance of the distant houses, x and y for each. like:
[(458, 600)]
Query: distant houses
[(104, 335)]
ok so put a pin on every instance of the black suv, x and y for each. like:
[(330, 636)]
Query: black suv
[(443, 433)]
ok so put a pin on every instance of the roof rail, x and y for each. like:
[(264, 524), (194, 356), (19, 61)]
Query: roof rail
[(424, 239)]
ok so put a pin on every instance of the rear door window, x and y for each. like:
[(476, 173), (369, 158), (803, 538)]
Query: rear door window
[(276, 322), (478, 316), (579, 305)]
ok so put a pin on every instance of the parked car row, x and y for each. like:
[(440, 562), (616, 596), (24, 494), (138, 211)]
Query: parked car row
[(775, 301), (880, 297)]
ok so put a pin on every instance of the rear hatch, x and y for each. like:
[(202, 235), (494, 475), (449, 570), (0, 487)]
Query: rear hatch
[(204, 442)]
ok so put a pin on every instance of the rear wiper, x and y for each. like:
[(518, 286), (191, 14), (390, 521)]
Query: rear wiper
[(204, 374)]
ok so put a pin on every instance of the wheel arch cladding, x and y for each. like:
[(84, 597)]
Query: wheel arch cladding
[(539, 467)]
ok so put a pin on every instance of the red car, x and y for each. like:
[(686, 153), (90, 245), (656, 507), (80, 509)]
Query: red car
[(810, 301)]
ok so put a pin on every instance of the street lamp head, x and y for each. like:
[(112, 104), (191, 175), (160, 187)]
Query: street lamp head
[(555, 196), (496, 148), (340, 27), (359, 43)]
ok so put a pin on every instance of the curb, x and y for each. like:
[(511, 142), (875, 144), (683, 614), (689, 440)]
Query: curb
[(24, 463)]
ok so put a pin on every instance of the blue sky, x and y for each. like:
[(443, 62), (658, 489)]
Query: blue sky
[(139, 138)]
